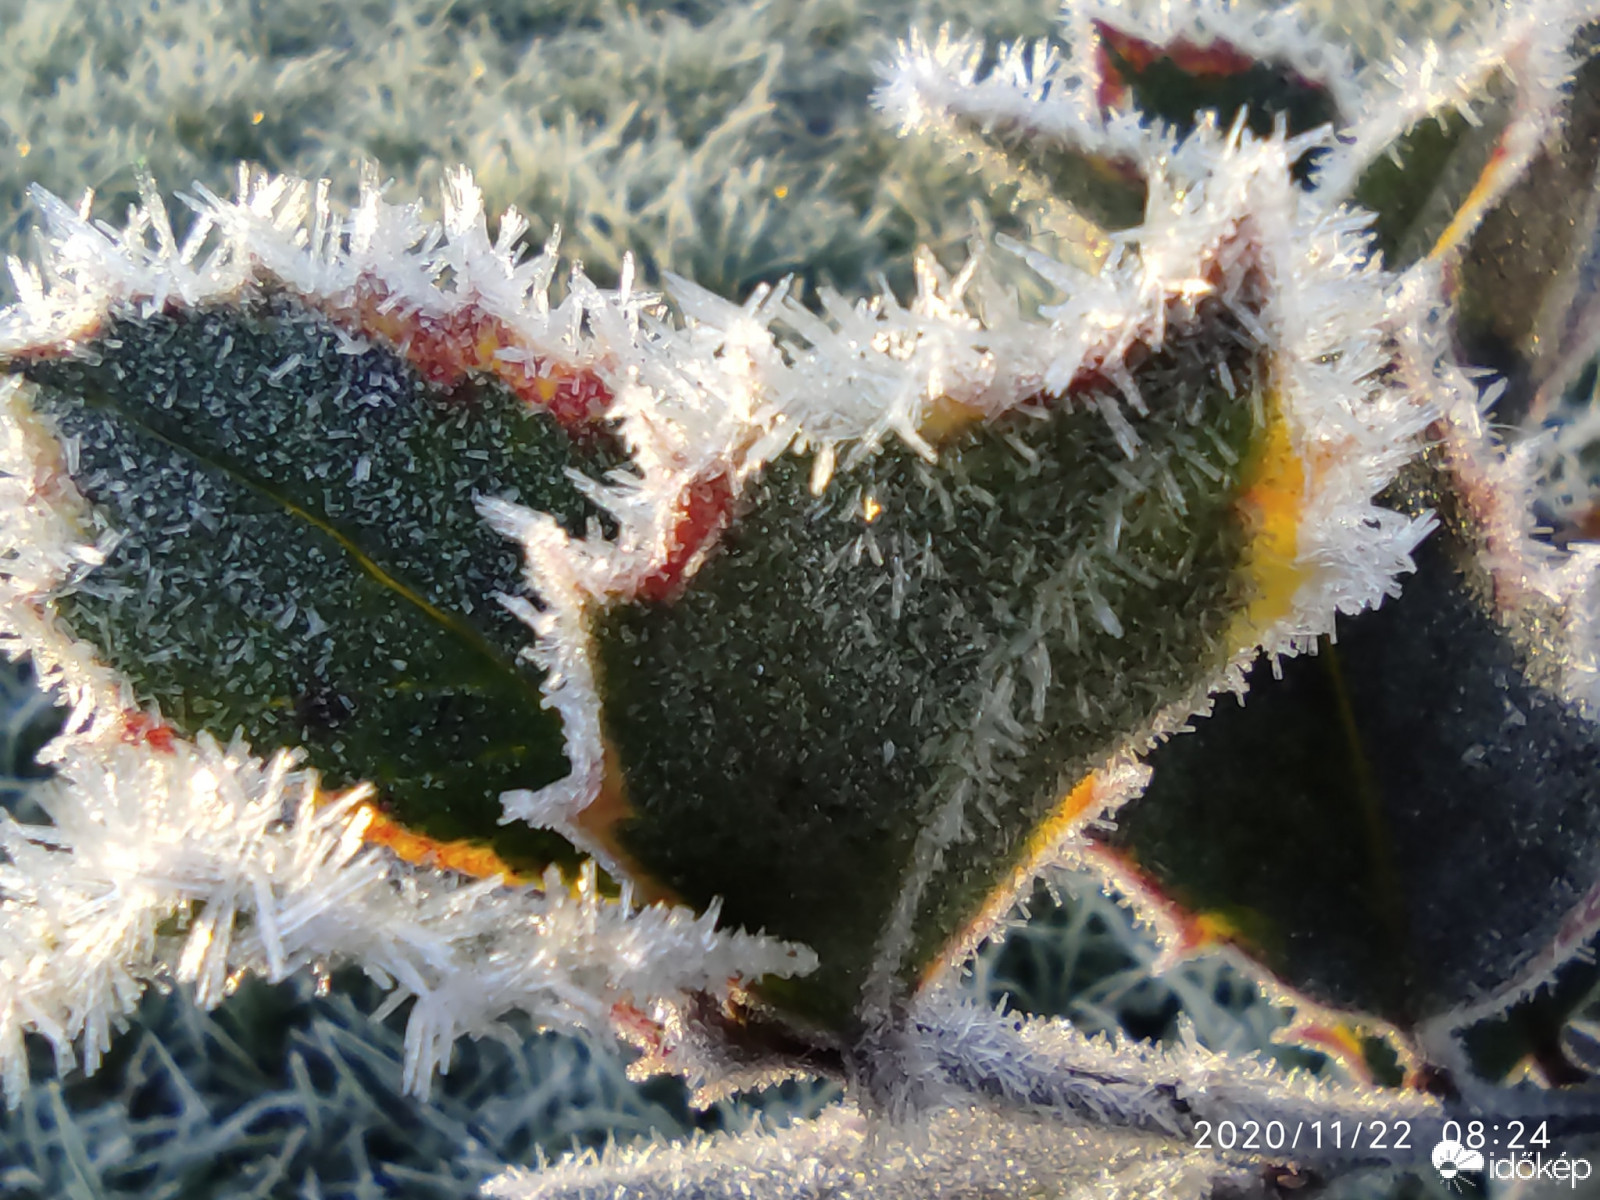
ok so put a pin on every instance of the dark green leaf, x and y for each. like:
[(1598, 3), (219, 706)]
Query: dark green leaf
[(1402, 822), (1524, 306), (301, 558)]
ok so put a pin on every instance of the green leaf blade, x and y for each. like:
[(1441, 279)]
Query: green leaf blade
[(301, 558)]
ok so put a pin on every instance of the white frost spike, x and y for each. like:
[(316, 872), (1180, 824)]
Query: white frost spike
[(203, 861), (719, 395), (569, 684), (269, 881)]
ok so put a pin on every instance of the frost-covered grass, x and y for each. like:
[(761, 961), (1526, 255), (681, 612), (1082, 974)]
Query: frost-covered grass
[(732, 143), (284, 1092)]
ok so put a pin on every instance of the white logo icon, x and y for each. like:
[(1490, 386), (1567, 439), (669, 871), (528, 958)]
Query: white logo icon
[(1450, 1159)]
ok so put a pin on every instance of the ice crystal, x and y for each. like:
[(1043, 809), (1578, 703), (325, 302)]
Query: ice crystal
[(158, 830), (967, 1150), (199, 863)]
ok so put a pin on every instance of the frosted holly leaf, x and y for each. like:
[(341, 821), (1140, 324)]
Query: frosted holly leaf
[(1525, 306), (298, 556), (1431, 126), (848, 665), (1523, 301), (1539, 250)]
